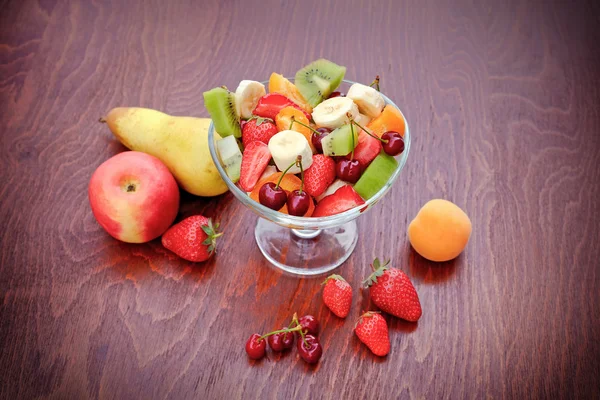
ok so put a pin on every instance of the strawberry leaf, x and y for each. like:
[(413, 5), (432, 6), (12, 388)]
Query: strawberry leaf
[(378, 270)]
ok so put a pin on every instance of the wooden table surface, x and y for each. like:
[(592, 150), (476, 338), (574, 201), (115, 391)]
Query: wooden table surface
[(503, 102)]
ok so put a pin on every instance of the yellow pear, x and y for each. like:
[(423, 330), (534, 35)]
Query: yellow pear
[(181, 143)]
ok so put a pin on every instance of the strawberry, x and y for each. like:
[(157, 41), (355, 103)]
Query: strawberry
[(319, 175), (393, 292), (366, 150), (337, 295), (342, 200), (372, 330), (258, 129), (193, 239), (254, 161), (270, 104)]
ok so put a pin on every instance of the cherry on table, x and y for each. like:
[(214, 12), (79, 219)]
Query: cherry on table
[(309, 324), (272, 196), (316, 139), (348, 170), (394, 144), (255, 347), (281, 341), (310, 349), (298, 203)]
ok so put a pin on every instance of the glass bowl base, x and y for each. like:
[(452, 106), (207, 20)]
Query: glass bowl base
[(296, 253)]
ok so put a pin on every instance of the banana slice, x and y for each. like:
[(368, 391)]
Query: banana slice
[(362, 119), (370, 102), (332, 112), (286, 146), (246, 97)]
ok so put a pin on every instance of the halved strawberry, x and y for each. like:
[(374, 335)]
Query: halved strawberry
[(270, 104), (255, 159), (319, 176), (342, 200), (366, 150)]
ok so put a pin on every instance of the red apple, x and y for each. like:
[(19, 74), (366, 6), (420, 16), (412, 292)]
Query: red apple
[(134, 197)]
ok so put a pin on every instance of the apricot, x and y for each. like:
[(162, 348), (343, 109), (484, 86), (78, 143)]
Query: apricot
[(440, 231)]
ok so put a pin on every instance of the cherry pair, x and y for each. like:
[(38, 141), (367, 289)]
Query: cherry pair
[(273, 196)]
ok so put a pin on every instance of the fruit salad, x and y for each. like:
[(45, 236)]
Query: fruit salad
[(303, 148)]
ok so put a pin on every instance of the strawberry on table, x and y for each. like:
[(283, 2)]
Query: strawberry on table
[(258, 129), (342, 200), (372, 330), (393, 292), (255, 159), (193, 239), (320, 175), (337, 295), (269, 106)]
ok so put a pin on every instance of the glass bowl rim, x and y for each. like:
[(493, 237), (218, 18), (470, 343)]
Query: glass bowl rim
[(310, 222)]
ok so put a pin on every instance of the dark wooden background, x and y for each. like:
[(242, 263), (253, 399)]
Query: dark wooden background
[(503, 102)]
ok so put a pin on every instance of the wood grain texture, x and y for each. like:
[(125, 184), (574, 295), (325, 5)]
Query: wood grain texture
[(503, 102)]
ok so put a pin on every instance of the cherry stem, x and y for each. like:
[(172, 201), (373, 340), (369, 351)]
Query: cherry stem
[(375, 83), (288, 330), (284, 172), (352, 121), (352, 132), (303, 336), (299, 163), (304, 125)]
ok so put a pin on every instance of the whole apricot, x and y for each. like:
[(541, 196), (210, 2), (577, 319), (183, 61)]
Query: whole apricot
[(440, 231)]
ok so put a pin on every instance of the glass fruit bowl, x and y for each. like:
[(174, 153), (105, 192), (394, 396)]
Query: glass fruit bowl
[(306, 245)]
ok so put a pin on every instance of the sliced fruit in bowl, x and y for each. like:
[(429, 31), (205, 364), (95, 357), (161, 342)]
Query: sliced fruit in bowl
[(310, 130)]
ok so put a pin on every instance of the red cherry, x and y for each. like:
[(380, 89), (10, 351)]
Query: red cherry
[(336, 94), (272, 196), (298, 203), (288, 340), (394, 144), (255, 347), (348, 170), (310, 349), (309, 324), (281, 341), (316, 139)]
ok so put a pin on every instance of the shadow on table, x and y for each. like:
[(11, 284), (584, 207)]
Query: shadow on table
[(430, 272)]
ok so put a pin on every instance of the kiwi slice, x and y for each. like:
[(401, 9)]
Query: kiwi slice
[(376, 176), (318, 80), (231, 157), (220, 104), (339, 142)]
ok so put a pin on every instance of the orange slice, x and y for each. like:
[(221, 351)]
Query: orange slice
[(390, 119), (284, 119), (279, 84), (289, 183)]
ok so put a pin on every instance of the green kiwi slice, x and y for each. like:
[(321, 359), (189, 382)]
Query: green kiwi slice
[(318, 80), (340, 142), (220, 104), (376, 176), (231, 157)]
